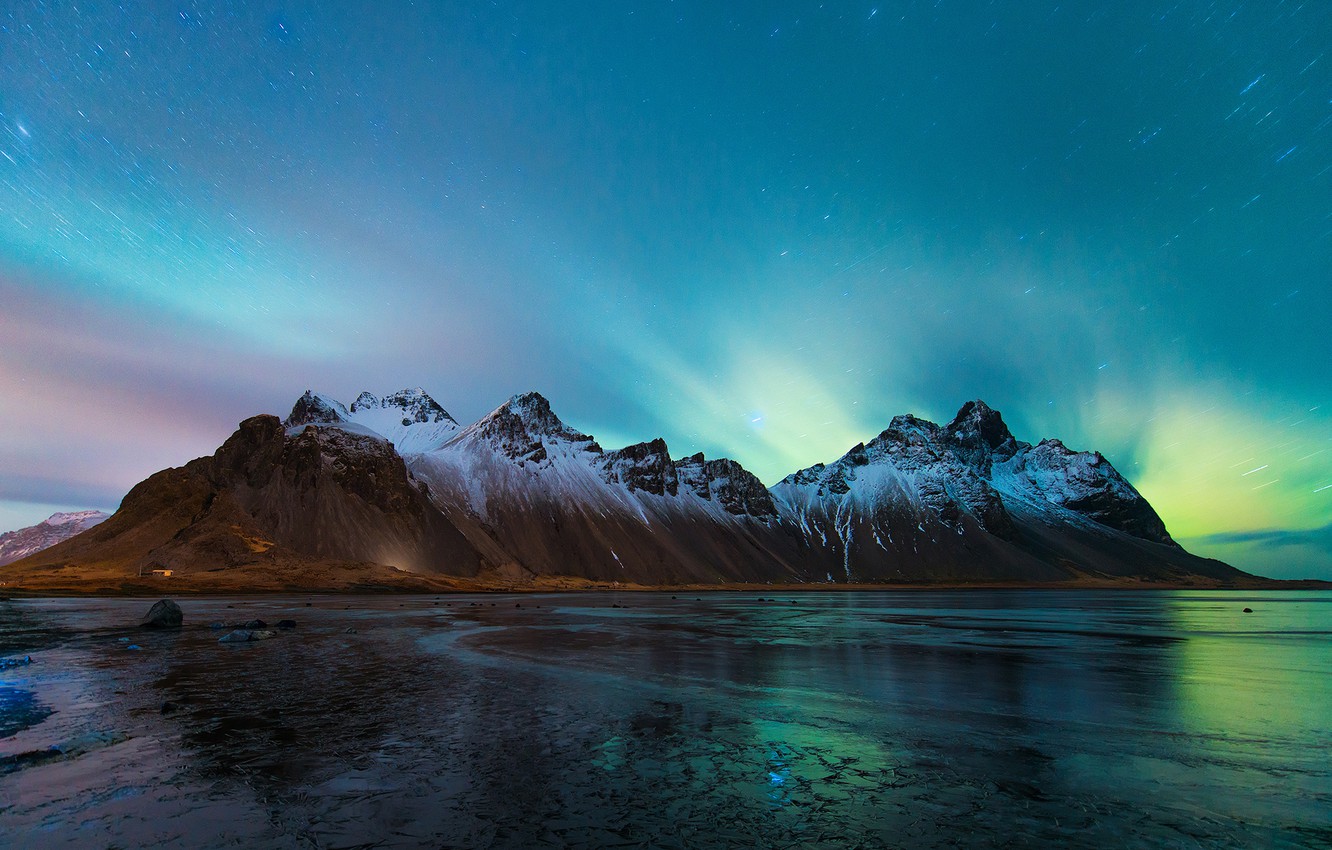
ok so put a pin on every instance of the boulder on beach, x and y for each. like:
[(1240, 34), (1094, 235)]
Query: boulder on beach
[(247, 635), (164, 614), (286, 624)]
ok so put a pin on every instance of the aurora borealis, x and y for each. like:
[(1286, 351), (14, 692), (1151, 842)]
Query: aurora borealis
[(759, 230)]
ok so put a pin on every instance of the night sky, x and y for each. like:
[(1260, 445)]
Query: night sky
[(756, 229)]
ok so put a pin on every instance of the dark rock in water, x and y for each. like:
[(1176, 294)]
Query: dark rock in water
[(164, 614), (246, 635), (7, 663), (255, 624), (217, 625), (1248, 610), (350, 630), (309, 604), (168, 707), (286, 624)]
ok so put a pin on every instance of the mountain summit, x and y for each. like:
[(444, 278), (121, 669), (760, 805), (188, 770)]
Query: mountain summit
[(410, 419)]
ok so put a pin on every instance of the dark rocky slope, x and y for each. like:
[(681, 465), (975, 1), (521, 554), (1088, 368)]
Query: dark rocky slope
[(276, 500)]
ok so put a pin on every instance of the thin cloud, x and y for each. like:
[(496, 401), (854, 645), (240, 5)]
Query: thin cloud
[(1273, 538)]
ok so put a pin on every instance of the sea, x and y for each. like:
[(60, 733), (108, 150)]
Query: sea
[(764, 719)]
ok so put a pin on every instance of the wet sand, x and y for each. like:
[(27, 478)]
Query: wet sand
[(679, 719)]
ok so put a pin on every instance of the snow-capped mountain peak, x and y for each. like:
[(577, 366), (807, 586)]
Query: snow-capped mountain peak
[(736, 489), (643, 466), (526, 428), (533, 409), (417, 406), (410, 419), (364, 401), (313, 408), (980, 437), (1084, 483)]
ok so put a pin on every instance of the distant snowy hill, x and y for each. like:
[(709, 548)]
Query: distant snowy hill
[(54, 529)]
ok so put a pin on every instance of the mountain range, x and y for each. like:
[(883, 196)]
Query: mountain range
[(393, 491)]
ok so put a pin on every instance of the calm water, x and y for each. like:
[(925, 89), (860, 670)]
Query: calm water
[(973, 718)]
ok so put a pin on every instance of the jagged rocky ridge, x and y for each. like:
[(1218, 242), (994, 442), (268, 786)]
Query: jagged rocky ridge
[(396, 480), (922, 501)]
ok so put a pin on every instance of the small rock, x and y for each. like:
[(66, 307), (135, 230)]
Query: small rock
[(350, 630), (6, 663), (309, 604), (134, 646), (216, 625), (123, 640), (168, 707), (286, 624), (255, 624), (164, 614), (1248, 610), (246, 635)]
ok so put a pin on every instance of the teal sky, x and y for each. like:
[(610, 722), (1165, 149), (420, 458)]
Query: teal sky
[(756, 229)]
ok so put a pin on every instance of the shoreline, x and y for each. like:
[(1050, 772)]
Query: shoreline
[(177, 588)]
